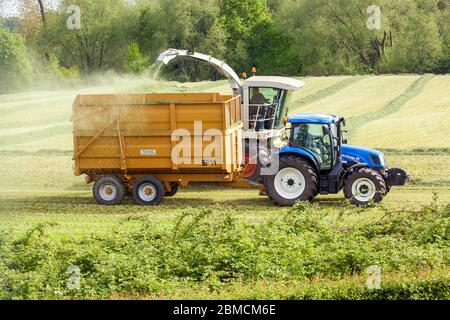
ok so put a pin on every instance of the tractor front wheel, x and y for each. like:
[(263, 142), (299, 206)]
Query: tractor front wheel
[(365, 185), (296, 180)]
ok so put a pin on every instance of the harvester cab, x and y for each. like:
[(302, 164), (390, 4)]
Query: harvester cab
[(314, 160)]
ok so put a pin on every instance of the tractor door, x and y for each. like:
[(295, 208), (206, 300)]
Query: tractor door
[(317, 139)]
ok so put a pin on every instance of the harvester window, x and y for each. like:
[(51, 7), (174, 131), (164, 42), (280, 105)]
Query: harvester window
[(317, 139), (264, 108)]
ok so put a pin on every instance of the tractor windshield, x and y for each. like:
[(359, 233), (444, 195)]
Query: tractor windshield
[(316, 138)]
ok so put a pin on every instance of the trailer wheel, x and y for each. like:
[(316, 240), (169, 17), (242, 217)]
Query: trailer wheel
[(109, 190), (148, 191), (174, 189), (296, 180), (363, 186)]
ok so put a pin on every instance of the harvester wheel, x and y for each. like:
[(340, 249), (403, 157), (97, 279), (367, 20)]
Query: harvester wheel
[(174, 189), (148, 191), (252, 171), (365, 185), (296, 180), (109, 190)]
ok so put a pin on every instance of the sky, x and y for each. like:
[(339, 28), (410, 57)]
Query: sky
[(9, 8)]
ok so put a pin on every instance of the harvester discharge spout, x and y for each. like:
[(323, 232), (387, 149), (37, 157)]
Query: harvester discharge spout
[(222, 67)]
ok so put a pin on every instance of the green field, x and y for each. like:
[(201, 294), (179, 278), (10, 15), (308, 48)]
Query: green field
[(49, 220)]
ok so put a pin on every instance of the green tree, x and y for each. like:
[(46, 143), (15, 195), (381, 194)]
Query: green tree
[(15, 66), (100, 43), (271, 51), (444, 30), (135, 62), (240, 19), (332, 36), (417, 45), (193, 25)]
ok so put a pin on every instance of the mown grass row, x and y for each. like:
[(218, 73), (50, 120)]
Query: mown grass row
[(212, 248), (296, 105), (34, 135), (391, 107)]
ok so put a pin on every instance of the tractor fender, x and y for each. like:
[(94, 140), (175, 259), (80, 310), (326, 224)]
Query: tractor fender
[(299, 153), (352, 168)]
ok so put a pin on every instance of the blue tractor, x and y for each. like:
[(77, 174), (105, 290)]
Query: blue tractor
[(315, 159)]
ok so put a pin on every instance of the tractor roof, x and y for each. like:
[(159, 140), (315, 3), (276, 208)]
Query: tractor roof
[(274, 82), (313, 118)]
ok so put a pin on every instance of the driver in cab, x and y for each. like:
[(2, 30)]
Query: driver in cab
[(306, 139), (257, 97)]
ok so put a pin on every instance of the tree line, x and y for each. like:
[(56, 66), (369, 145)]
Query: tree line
[(279, 37)]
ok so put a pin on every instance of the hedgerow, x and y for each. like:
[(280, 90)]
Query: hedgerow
[(212, 248)]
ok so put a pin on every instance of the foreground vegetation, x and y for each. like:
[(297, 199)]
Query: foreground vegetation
[(211, 248)]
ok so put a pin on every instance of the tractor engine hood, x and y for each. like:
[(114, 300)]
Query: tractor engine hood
[(371, 157), (222, 67)]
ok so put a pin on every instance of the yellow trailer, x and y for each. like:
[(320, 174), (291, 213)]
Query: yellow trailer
[(150, 144)]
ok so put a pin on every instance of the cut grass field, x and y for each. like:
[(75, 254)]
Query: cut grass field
[(406, 116)]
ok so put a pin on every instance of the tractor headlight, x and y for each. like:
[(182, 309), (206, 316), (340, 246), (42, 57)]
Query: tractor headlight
[(383, 160), (378, 159)]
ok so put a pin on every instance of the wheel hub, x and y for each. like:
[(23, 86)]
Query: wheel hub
[(364, 189), (289, 183), (147, 192), (108, 192)]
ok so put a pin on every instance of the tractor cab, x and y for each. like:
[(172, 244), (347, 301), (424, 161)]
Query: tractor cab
[(318, 135)]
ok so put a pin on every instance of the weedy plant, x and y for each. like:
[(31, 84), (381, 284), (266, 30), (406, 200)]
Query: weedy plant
[(213, 249)]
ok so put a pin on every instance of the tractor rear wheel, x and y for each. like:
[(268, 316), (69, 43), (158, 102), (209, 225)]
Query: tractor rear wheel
[(365, 185), (296, 180), (109, 190), (148, 191)]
